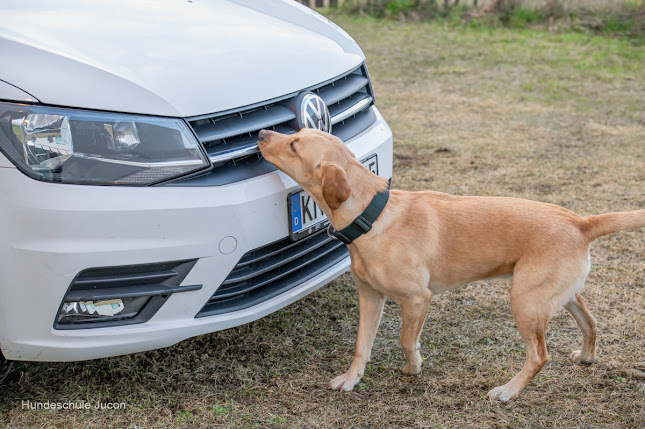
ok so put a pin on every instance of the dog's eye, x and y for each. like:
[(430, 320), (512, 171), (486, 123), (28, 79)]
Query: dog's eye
[(293, 149)]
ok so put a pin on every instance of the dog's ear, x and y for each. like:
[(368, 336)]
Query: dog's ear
[(335, 186)]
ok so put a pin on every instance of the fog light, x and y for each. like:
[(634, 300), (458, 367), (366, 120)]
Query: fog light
[(105, 297), (101, 311)]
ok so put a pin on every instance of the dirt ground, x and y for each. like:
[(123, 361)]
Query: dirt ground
[(474, 111)]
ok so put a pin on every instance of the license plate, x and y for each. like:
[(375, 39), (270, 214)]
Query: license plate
[(305, 217)]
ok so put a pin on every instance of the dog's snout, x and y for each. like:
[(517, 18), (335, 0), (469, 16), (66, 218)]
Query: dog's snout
[(263, 135)]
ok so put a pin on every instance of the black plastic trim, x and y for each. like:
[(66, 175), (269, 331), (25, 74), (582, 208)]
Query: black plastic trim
[(156, 280), (273, 269), (159, 277), (266, 252), (291, 267), (269, 265), (127, 292), (275, 288)]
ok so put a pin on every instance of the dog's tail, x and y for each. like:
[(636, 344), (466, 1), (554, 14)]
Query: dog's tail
[(608, 223)]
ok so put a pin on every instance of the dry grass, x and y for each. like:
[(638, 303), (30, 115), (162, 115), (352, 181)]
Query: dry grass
[(558, 118)]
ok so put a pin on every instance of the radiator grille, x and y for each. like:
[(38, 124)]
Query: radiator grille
[(231, 138)]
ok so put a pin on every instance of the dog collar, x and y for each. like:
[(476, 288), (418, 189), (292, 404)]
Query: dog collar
[(363, 223)]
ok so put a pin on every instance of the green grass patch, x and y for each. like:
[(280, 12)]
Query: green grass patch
[(625, 20), (521, 17)]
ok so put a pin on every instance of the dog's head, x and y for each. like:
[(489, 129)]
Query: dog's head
[(316, 160)]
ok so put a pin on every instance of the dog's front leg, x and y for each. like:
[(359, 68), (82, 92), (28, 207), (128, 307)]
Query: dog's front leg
[(370, 305), (413, 312)]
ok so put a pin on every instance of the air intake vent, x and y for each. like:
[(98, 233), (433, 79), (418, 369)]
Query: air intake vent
[(273, 269), (110, 296)]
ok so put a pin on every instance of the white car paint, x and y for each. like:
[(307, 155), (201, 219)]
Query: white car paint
[(167, 57)]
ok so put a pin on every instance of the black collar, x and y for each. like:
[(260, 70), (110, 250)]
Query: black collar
[(363, 223)]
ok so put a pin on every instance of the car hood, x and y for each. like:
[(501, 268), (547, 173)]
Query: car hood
[(170, 58)]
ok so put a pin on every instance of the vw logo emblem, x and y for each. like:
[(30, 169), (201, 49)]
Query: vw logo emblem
[(313, 113)]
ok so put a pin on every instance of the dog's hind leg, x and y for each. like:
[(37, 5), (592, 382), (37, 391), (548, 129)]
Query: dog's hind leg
[(587, 324), (413, 313), (532, 313), (370, 306)]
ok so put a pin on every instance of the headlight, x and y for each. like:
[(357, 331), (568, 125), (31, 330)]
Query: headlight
[(75, 146)]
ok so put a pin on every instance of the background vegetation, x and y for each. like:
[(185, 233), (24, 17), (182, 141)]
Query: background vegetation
[(615, 18)]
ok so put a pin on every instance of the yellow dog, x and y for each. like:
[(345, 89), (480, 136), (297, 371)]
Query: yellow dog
[(424, 243)]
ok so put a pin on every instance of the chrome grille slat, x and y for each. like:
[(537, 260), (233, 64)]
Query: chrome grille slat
[(342, 89), (349, 107), (243, 123), (234, 153), (239, 146)]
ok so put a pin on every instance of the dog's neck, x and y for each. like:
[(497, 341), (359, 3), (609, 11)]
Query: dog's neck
[(364, 185)]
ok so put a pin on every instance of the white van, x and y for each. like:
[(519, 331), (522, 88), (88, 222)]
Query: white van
[(135, 209)]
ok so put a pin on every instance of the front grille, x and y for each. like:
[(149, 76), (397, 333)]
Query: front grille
[(231, 138), (273, 269)]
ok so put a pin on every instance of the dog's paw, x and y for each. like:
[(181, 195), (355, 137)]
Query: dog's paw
[(577, 357), (345, 382), (502, 393), (411, 369)]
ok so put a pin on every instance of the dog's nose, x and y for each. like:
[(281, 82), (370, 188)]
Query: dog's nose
[(262, 135)]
